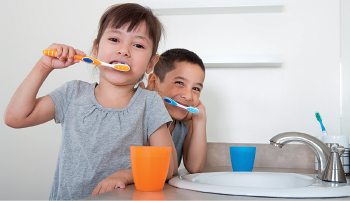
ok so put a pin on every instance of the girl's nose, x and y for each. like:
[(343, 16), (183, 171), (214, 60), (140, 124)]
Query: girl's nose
[(123, 51)]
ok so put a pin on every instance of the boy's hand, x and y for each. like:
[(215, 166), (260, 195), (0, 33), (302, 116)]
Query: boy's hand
[(195, 143), (117, 180), (64, 58), (201, 115)]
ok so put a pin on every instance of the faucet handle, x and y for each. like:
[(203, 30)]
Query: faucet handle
[(334, 171), (339, 149), (335, 147), (330, 145)]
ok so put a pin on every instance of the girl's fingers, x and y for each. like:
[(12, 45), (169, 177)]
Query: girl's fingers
[(71, 54), (64, 53), (96, 190), (79, 52), (59, 50), (110, 187), (103, 188), (120, 184)]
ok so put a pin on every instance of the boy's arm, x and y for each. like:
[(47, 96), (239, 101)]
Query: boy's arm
[(195, 143)]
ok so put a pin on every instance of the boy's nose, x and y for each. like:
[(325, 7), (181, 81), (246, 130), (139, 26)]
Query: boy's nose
[(187, 95)]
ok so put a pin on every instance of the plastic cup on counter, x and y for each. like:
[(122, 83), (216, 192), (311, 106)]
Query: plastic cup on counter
[(142, 195), (242, 158), (149, 167)]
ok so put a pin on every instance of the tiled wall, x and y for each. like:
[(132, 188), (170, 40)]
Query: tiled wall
[(290, 156)]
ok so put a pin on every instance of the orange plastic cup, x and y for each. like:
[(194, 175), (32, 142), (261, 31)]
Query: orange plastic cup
[(142, 195), (149, 167)]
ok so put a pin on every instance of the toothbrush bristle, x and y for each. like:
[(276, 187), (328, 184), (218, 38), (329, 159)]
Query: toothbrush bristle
[(318, 116), (122, 67), (193, 109)]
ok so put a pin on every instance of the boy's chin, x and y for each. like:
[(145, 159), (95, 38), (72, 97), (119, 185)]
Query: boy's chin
[(179, 116)]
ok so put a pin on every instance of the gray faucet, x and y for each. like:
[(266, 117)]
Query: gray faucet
[(320, 149), (334, 171)]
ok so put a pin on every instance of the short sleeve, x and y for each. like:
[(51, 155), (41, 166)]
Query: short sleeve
[(156, 115), (61, 98)]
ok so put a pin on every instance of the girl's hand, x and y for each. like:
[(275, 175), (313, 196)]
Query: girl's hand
[(64, 58), (117, 180)]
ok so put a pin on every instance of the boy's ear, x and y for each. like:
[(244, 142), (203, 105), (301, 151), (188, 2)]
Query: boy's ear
[(152, 63), (153, 82)]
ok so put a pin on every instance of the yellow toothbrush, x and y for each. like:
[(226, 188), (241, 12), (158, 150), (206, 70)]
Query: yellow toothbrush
[(90, 60)]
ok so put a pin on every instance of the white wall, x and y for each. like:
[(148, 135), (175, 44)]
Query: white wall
[(345, 65), (243, 104)]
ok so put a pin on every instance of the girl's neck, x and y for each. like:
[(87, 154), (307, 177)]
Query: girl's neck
[(112, 96)]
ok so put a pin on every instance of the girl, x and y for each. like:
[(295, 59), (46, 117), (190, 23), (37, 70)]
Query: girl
[(100, 121)]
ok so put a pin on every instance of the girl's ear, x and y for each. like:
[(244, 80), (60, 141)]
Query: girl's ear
[(152, 63), (153, 82), (94, 49)]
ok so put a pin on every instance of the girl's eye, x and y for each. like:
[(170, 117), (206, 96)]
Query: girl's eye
[(178, 82), (114, 40), (139, 46), (196, 88)]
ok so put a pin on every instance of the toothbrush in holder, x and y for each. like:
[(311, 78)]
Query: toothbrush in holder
[(189, 108), (319, 119), (90, 60)]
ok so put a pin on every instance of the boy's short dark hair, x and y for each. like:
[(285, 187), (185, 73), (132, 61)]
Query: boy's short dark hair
[(168, 59)]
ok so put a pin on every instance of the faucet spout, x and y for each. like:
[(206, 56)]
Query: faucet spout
[(320, 149)]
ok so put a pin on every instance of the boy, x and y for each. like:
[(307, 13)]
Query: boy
[(179, 75)]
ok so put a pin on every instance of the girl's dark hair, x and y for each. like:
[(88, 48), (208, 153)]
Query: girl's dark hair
[(168, 59), (133, 14)]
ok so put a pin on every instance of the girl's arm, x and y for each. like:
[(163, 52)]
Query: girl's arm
[(152, 87), (195, 143), (25, 109), (117, 180), (162, 138)]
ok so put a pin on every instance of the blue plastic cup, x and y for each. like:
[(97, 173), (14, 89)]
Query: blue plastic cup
[(242, 158)]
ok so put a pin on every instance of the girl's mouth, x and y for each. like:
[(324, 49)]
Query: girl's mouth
[(117, 61)]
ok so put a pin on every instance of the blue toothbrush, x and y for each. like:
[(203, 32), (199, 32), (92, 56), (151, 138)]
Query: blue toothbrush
[(318, 117), (189, 108)]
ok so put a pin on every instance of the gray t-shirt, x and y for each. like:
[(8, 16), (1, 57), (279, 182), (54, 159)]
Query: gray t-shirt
[(179, 133), (96, 140)]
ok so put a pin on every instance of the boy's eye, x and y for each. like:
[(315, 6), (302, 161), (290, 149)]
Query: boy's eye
[(139, 46), (178, 82), (114, 39), (196, 88)]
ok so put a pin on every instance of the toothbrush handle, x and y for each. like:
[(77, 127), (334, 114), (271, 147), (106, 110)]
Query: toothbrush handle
[(86, 59)]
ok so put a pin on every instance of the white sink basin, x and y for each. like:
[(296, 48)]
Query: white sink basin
[(261, 184)]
